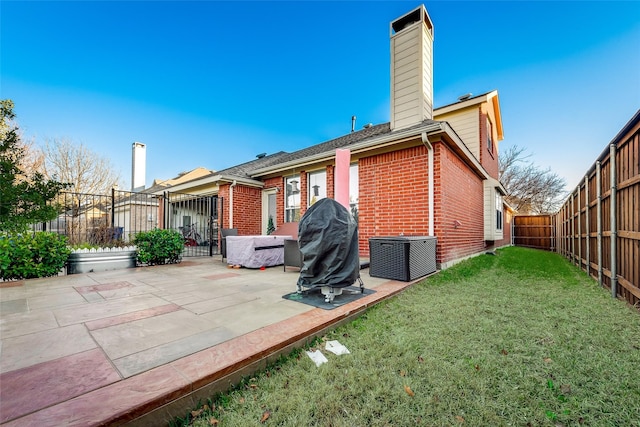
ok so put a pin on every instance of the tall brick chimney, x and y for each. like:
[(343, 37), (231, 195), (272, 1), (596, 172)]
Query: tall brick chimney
[(411, 69)]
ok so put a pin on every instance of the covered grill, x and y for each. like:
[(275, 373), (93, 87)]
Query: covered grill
[(328, 238)]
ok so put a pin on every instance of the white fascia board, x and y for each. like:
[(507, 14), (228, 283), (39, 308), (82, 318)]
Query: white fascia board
[(382, 141), (212, 179), (497, 185), (464, 104)]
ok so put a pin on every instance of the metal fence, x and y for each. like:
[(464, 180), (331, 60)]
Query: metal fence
[(114, 219), (196, 217)]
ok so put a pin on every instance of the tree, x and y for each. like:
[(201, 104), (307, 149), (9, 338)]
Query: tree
[(25, 195), (529, 189), (86, 171)]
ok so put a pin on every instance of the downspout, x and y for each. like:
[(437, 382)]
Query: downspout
[(233, 184), (427, 144)]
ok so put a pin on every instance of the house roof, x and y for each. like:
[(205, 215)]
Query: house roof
[(184, 177), (244, 170), (369, 137), (365, 138), (491, 96)]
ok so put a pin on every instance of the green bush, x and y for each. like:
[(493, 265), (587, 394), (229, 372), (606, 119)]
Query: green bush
[(159, 246), (27, 256)]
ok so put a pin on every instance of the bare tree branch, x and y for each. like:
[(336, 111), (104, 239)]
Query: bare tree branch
[(529, 189), (85, 170)]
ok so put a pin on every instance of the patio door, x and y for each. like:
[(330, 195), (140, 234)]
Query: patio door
[(269, 217)]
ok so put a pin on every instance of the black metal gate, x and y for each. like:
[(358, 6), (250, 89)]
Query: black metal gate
[(196, 218)]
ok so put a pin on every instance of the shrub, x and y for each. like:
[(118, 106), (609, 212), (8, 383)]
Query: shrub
[(159, 246), (28, 256)]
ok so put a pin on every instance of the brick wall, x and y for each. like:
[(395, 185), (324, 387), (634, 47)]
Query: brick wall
[(459, 207), (247, 208), (489, 160), (393, 191), (223, 206), (393, 200), (331, 181)]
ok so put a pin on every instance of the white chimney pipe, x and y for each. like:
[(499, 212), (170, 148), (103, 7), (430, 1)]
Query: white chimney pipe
[(138, 166)]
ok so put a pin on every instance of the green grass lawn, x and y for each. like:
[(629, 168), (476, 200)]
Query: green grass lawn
[(522, 338)]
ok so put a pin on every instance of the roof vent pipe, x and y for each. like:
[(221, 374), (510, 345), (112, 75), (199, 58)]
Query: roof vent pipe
[(353, 123)]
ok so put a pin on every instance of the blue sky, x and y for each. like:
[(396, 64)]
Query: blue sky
[(213, 84)]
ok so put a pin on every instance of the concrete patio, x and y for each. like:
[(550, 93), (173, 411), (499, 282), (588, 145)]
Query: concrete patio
[(142, 346)]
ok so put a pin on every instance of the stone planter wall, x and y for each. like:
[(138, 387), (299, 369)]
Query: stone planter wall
[(104, 259)]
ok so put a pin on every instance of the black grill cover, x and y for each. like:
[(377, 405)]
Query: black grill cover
[(328, 237)]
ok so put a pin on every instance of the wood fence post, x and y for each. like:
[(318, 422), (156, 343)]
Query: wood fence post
[(613, 217), (586, 225), (579, 231), (573, 230), (599, 220)]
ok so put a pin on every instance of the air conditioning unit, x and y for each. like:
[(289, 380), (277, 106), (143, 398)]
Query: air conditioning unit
[(404, 258)]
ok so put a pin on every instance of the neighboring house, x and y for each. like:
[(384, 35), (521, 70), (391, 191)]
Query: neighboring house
[(185, 210), (426, 172)]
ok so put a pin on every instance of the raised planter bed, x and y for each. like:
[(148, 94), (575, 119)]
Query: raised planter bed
[(103, 259)]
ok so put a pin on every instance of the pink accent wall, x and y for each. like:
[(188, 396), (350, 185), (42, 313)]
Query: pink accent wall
[(343, 160)]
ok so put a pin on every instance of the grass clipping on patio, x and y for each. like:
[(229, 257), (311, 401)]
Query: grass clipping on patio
[(522, 338)]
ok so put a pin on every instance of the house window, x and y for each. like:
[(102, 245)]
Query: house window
[(353, 190), (317, 186), (489, 136), (292, 199), (498, 212)]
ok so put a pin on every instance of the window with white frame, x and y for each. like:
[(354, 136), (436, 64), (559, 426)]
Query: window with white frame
[(292, 199), (498, 211), (317, 190), (489, 136)]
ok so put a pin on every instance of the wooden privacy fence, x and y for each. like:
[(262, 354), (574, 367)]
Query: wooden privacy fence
[(598, 227), (534, 231)]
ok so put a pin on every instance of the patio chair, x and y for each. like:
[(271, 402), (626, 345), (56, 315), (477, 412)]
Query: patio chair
[(292, 254), (223, 243)]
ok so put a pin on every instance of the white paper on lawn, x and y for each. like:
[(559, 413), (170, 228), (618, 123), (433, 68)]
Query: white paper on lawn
[(336, 348), (317, 357)]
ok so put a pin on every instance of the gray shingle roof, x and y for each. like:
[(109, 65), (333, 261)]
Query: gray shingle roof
[(246, 170)]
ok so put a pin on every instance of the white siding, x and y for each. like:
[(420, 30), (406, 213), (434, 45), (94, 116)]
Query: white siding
[(427, 73), (490, 220), (411, 69), (466, 123)]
